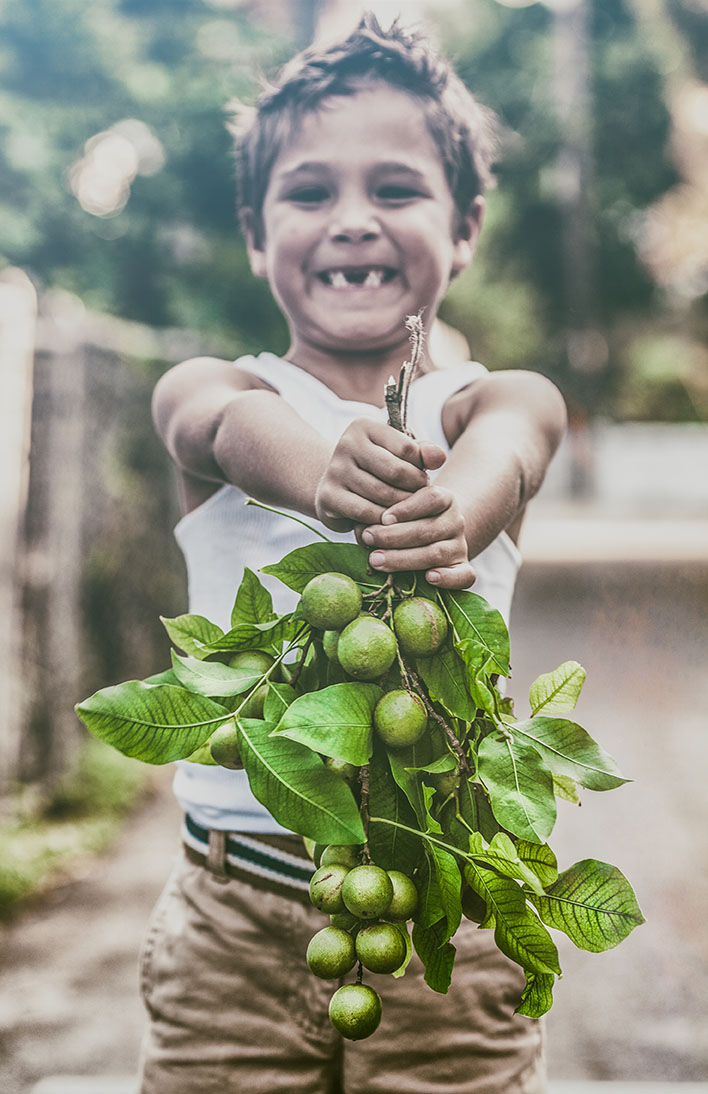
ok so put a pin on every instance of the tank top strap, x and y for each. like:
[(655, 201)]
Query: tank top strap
[(428, 396)]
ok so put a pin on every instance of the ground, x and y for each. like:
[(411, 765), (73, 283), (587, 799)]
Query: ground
[(69, 1003)]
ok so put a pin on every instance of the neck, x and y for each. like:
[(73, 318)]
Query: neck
[(358, 377)]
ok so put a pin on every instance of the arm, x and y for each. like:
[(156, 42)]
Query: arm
[(221, 425), (503, 432)]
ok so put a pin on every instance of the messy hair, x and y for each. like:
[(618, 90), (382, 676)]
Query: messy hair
[(463, 129)]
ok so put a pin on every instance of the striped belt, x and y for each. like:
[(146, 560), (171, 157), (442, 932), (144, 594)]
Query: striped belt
[(274, 863)]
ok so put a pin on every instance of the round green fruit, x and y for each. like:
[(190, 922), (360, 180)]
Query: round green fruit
[(256, 661), (330, 601), (347, 854), (343, 768), (223, 746), (366, 648), (405, 897), (254, 704), (367, 891), (445, 782), (400, 718), (330, 641), (381, 947), (326, 888), (420, 626), (331, 953), (355, 1011)]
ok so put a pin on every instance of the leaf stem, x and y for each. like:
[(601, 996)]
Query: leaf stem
[(289, 516)]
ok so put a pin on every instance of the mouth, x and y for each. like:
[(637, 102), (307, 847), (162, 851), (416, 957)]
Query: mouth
[(357, 277)]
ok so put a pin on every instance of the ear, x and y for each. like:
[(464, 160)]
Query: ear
[(467, 234), (254, 245)]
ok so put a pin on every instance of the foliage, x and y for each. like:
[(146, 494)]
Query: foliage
[(485, 832), (42, 844)]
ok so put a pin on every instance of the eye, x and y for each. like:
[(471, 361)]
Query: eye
[(308, 195), (397, 193)]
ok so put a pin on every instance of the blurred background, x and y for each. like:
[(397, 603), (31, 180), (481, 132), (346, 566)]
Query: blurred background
[(119, 256)]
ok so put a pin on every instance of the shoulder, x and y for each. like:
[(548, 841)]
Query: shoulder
[(202, 380), (510, 394)]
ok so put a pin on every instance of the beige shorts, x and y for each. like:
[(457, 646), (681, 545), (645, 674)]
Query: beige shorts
[(233, 1007)]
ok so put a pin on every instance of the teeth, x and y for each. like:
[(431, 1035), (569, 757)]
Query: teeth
[(338, 279)]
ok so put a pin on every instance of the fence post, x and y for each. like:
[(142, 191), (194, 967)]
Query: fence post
[(18, 309)]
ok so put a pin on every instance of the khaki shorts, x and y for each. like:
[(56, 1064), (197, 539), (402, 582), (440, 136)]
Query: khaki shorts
[(234, 1008)]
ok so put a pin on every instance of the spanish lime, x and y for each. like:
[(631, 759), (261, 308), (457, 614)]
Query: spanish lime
[(355, 1011), (223, 746), (326, 888), (420, 626), (400, 718), (405, 897), (381, 947), (366, 648), (331, 953), (330, 601), (367, 891)]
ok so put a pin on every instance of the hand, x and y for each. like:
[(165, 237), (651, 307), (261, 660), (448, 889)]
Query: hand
[(373, 469), (424, 531)]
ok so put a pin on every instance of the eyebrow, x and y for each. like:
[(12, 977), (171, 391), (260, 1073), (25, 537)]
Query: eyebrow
[(315, 166)]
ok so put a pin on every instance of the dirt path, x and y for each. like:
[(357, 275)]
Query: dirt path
[(68, 995)]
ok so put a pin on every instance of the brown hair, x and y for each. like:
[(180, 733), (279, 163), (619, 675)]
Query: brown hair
[(463, 129)]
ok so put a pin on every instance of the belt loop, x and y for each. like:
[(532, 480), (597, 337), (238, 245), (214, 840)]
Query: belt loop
[(216, 856)]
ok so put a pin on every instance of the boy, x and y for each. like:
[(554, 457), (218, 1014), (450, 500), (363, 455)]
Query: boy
[(361, 183)]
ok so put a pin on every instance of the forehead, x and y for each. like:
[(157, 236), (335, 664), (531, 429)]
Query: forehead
[(379, 123)]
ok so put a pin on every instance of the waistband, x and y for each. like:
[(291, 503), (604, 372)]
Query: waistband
[(275, 863)]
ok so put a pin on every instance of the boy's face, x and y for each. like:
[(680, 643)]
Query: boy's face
[(360, 228)]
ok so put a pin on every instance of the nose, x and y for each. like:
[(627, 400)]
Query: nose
[(353, 222)]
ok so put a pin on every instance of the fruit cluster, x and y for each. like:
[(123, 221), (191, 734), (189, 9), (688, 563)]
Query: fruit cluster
[(369, 721), (367, 907)]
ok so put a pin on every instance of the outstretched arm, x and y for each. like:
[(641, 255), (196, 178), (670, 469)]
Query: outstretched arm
[(503, 432)]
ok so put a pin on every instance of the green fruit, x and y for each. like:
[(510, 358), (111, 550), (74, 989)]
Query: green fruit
[(330, 641), (405, 897), (331, 953), (253, 706), (366, 648), (330, 601), (367, 891), (343, 768), (344, 920), (355, 1011), (420, 626), (326, 888), (400, 718), (257, 661), (445, 782), (346, 854), (381, 947), (223, 746)]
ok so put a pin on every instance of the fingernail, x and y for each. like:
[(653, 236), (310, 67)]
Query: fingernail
[(389, 518), (368, 537), (432, 576), (376, 558)]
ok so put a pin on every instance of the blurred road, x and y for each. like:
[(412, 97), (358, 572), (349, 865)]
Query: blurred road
[(68, 1000)]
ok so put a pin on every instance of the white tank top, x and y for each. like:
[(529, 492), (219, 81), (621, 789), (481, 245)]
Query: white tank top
[(222, 536)]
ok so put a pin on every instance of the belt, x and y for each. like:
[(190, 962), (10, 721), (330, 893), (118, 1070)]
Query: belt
[(274, 863)]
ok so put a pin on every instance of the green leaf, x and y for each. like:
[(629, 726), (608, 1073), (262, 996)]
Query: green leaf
[(568, 749), (256, 636), (296, 788), (593, 903), (566, 789), (405, 767), (304, 563), (153, 723), (430, 909), (517, 931), (390, 847), (167, 676), (445, 676), (557, 692), (537, 997), (449, 886), (253, 603), (336, 721), (520, 787), (212, 678), (192, 633), (436, 954), (484, 695), (278, 699), (540, 858), (477, 621), (501, 855), (409, 951)]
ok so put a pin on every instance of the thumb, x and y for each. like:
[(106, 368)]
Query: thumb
[(432, 456)]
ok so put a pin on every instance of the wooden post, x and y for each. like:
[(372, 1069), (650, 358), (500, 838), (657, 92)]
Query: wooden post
[(18, 309)]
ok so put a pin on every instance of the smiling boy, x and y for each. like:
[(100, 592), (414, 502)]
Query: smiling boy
[(361, 187)]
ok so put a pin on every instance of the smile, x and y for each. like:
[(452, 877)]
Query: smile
[(365, 277)]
